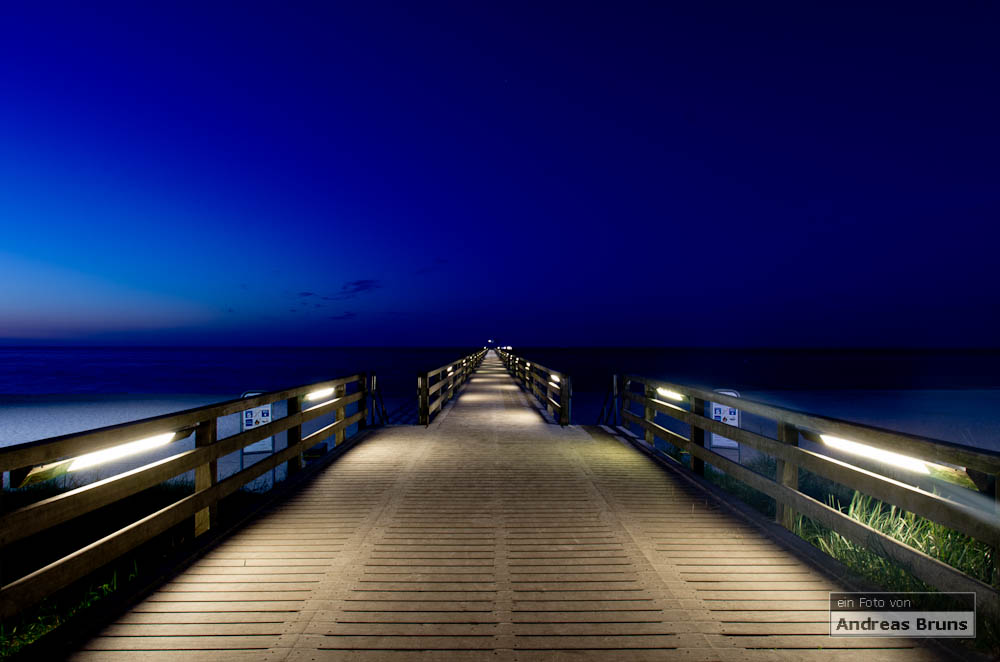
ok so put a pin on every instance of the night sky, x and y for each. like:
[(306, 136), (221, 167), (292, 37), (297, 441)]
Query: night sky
[(671, 174)]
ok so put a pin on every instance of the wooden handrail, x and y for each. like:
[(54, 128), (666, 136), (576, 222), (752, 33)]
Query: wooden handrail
[(932, 450), (201, 506), (56, 448), (908, 493), (448, 378), (543, 383)]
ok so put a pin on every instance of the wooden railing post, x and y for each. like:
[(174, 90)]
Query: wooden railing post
[(363, 402), (565, 393), (339, 392), (548, 395), (616, 402), (787, 474), (423, 399), (698, 436), (294, 434), (649, 415), (996, 549), (624, 391), (205, 476)]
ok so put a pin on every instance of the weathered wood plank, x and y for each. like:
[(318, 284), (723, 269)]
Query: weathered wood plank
[(222, 643)]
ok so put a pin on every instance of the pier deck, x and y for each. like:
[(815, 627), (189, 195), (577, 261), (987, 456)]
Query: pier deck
[(493, 535)]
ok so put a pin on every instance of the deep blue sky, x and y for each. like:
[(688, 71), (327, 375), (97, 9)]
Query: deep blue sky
[(702, 173)]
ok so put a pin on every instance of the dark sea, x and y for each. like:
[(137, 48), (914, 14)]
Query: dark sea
[(951, 395)]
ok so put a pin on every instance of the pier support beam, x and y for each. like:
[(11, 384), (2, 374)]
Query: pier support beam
[(294, 434), (787, 474), (423, 399), (363, 402), (206, 476), (565, 395), (650, 415), (340, 392), (698, 436)]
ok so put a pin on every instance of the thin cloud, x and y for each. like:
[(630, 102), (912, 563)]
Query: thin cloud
[(343, 316), (353, 288)]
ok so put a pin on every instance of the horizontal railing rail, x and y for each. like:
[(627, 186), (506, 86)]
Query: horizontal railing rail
[(553, 389), (910, 492), (435, 387), (56, 455)]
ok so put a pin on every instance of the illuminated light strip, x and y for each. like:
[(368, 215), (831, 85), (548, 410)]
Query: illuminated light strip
[(322, 393), (555, 378), (553, 384), (116, 452), (872, 453), (673, 395)]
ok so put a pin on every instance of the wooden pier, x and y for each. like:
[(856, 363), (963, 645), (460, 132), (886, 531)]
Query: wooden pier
[(494, 534)]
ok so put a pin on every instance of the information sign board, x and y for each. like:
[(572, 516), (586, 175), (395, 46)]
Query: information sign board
[(254, 418), (724, 414)]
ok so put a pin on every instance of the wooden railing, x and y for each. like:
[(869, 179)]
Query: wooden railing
[(435, 387), (330, 397), (909, 492), (553, 389)]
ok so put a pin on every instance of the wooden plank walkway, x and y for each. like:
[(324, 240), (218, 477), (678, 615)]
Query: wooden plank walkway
[(493, 535)]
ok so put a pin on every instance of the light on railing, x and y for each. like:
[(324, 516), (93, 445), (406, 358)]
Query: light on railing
[(322, 393), (555, 378), (872, 453), (116, 452), (553, 384), (673, 395), (527, 365)]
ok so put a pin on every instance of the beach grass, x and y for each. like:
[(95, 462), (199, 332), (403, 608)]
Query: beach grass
[(29, 627), (961, 552), (974, 558), (105, 589)]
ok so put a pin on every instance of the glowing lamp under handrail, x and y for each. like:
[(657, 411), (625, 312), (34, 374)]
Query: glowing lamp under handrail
[(321, 393), (123, 450), (667, 393), (872, 453)]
